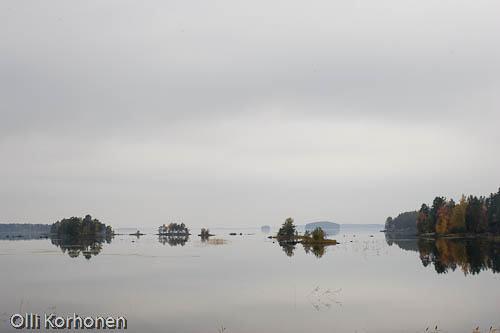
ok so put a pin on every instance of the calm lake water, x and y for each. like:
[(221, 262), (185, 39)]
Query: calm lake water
[(248, 283)]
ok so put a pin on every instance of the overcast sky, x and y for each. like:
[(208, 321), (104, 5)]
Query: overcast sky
[(242, 113)]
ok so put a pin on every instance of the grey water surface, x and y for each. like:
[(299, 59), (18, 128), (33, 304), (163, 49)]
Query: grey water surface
[(246, 283)]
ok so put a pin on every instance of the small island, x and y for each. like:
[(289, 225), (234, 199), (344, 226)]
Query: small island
[(138, 234), (173, 234), (314, 242), (77, 235), (77, 226), (205, 233), (287, 233), (173, 229)]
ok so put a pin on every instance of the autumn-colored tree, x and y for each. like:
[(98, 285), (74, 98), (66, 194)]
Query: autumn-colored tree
[(434, 212), (318, 234), (471, 215), (457, 220), (443, 219)]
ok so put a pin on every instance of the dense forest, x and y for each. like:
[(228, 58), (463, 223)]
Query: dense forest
[(77, 226), (405, 223), (470, 215)]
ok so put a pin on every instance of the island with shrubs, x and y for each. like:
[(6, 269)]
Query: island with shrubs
[(314, 242), (288, 234), (173, 229), (173, 234)]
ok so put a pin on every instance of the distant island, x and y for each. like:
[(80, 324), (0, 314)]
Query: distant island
[(323, 225), (469, 217), (265, 228), (23, 230)]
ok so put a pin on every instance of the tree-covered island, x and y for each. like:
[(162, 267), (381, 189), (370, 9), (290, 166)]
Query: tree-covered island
[(288, 233), (77, 226), (173, 229), (77, 235), (313, 241)]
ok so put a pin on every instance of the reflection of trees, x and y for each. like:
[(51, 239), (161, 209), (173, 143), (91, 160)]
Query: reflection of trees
[(88, 246), (403, 241), (288, 247), (173, 240), (317, 249), (470, 255)]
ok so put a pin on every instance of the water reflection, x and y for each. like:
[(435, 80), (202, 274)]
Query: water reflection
[(404, 242), (22, 236), (471, 256), (173, 240), (316, 249), (213, 241), (88, 246), (289, 248)]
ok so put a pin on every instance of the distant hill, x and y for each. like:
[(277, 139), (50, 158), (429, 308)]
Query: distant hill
[(323, 225), (24, 228)]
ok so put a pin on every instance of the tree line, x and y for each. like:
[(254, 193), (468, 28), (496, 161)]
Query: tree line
[(470, 215)]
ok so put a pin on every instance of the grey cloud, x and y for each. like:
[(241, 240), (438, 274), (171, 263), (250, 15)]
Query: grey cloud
[(240, 98)]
